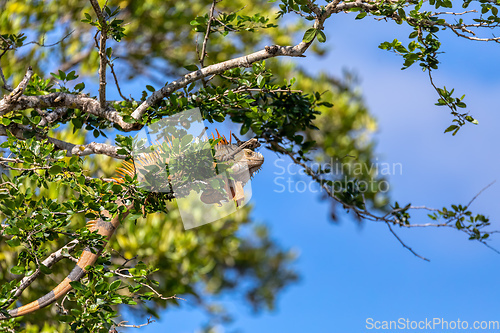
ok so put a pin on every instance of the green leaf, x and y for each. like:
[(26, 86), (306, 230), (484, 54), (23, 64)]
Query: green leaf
[(17, 270), (191, 67), (309, 35), (298, 139), (55, 169), (45, 270), (471, 120), (128, 119), (80, 86), (14, 242), (71, 76), (260, 81), (150, 88), (244, 128), (77, 285), (55, 76), (361, 15), (62, 75), (451, 128), (321, 36), (116, 300), (115, 285)]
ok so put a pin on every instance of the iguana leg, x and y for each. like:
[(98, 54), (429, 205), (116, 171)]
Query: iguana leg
[(239, 194)]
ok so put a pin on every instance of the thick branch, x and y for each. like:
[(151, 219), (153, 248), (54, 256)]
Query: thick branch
[(245, 61), (59, 99), (71, 149), (88, 149), (91, 106)]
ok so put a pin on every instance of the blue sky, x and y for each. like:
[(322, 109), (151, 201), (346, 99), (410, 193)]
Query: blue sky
[(351, 273)]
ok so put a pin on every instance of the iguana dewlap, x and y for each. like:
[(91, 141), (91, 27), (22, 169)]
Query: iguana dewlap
[(245, 162)]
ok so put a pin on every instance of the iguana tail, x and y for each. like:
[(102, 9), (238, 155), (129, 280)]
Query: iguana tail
[(87, 258)]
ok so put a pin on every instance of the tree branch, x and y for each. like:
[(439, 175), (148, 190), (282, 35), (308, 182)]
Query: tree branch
[(102, 53), (16, 93), (207, 33), (60, 99), (403, 243), (75, 60), (49, 262), (389, 218), (52, 116), (5, 85), (112, 68), (21, 133), (88, 149), (244, 61), (124, 324)]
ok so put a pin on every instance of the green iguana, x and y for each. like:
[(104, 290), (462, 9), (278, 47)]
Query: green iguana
[(244, 162)]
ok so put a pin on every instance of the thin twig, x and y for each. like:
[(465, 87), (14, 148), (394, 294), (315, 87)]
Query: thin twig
[(207, 33), (5, 85), (50, 45), (123, 324), (452, 13), (112, 67), (403, 243), (479, 193), (130, 276), (102, 53)]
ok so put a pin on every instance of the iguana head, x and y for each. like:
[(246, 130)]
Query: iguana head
[(241, 164), (253, 159), (241, 161)]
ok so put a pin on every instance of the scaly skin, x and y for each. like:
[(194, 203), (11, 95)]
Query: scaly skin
[(243, 160)]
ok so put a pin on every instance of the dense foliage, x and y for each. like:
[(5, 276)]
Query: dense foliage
[(67, 116)]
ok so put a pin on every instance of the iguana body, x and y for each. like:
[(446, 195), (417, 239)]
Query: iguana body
[(245, 162)]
